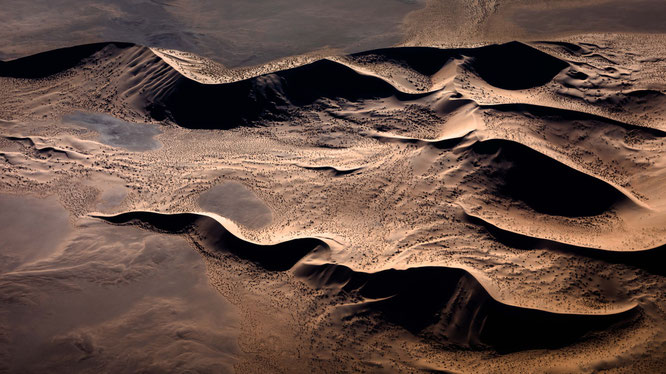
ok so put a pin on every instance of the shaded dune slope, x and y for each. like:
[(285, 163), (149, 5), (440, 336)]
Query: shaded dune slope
[(651, 260), (271, 96), (166, 93), (333, 170), (195, 105), (445, 304), (451, 306), (515, 66), (51, 62), (568, 115), (544, 184), (277, 257), (510, 66)]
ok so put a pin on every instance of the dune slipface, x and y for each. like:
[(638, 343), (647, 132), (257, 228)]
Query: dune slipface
[(447, 304), (515, 66), (280, 256), (490, 208), (48, 63), (450, 306), (544, 184), (195, 105), (273, 96)]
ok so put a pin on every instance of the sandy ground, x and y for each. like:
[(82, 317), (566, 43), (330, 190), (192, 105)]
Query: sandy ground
[(491, 209)]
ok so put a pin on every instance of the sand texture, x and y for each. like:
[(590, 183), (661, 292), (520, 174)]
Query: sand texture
[(414, 208)]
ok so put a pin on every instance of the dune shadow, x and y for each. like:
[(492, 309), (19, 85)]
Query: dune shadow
[(650, 260), (51, 62), (451, 306), (545, 184), (215, 237)]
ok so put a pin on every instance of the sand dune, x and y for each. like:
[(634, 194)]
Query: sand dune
[(195, 105), (511, 65), (558, 114), (490, 209), (269, 96), (447, 304), (544, 184), (278, 257), (51, 62), (648, 259), (332, 169), (450, 305)]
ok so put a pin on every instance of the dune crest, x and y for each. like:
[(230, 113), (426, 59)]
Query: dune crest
[(220, 234), (451, 306), (434, 301)]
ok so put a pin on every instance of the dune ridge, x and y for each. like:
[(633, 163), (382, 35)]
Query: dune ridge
[(162, 89), (547, 185), (247, 97), (167, 93), (571, 191), (47, 63), (570, 115), (221, 234), (269, 96), (452, 306), (334, 170), (649, 259), (434, 301)]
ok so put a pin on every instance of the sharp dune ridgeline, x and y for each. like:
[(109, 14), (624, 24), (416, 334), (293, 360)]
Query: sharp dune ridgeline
[(196, 105), (281, 256), (451, 306), (447, 304)]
